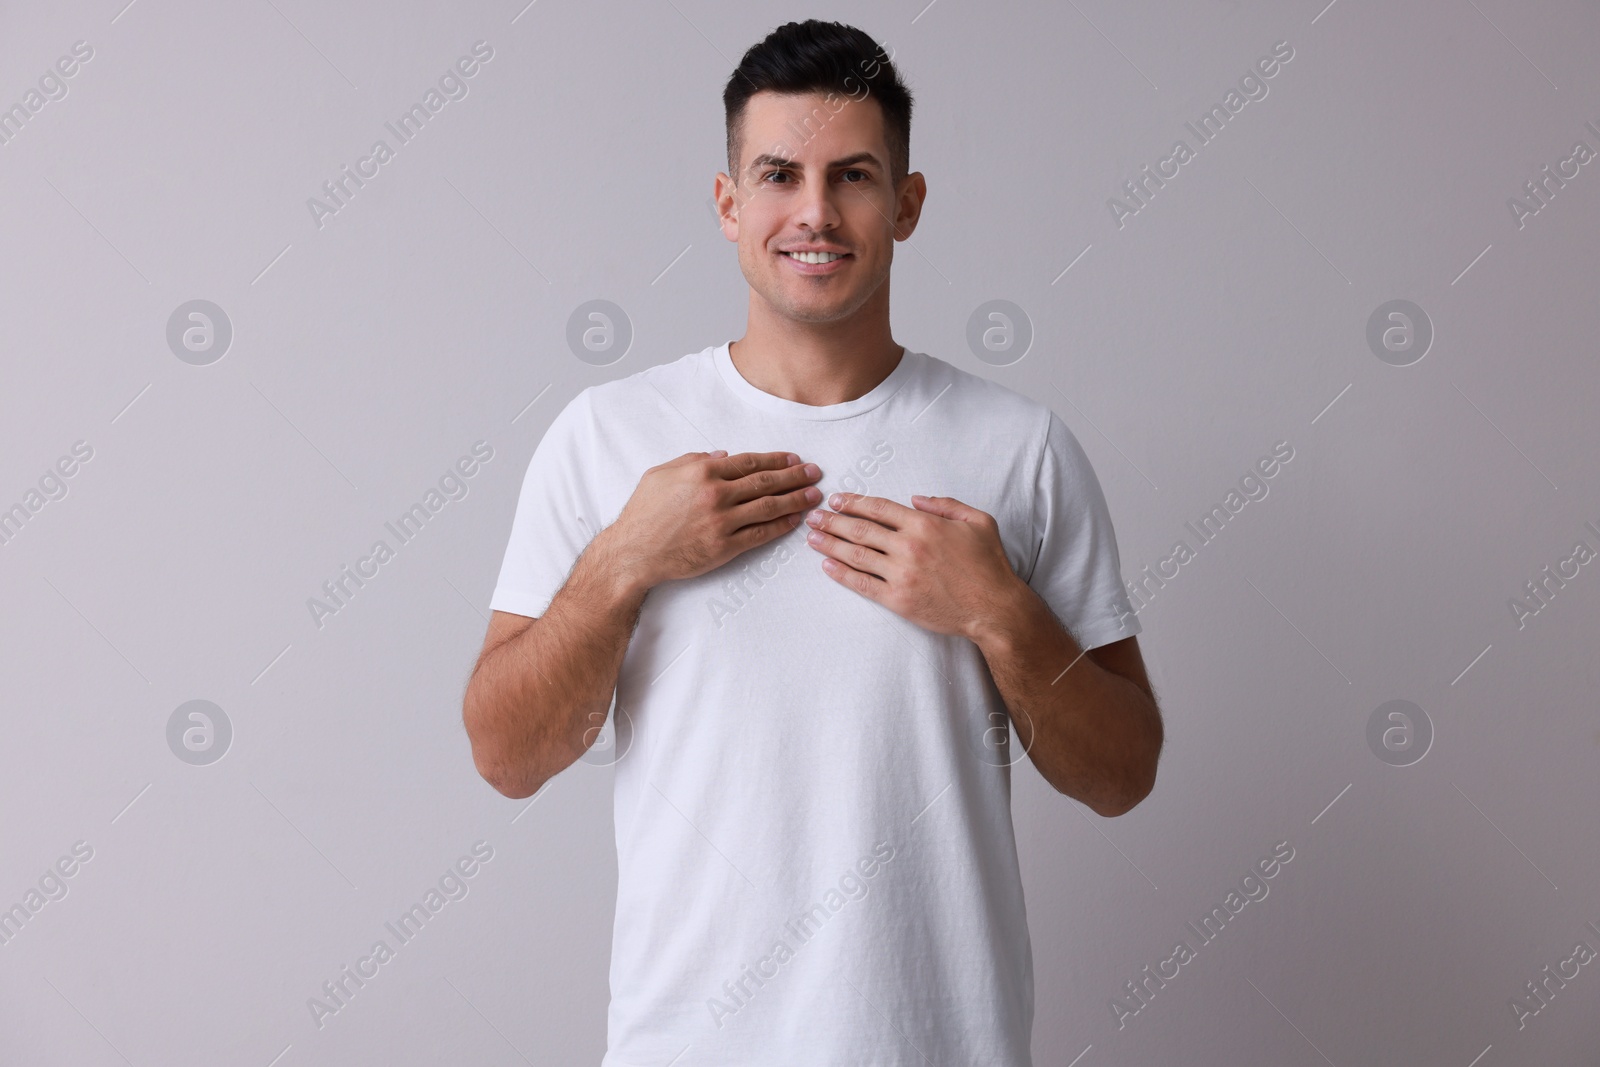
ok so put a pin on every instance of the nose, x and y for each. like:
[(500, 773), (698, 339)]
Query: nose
[(816, 209)]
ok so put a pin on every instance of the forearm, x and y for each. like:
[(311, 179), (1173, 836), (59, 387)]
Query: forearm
[(1093, 734), (536, 702)]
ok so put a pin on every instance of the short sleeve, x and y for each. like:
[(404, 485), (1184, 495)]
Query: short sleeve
[(555, 517), (1076, 568)]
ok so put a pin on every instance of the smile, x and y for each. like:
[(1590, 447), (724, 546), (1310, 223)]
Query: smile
[(816, 262), (815, 257)]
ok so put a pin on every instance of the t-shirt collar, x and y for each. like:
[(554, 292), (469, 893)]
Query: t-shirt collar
[(777, 405)]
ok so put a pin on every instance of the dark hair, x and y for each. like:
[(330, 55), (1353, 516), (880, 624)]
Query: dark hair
[(821, 57)]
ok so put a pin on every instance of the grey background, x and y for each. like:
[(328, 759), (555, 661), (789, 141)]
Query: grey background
[(431, 312)]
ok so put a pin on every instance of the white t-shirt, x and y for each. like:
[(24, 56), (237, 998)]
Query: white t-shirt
[(816, 860)]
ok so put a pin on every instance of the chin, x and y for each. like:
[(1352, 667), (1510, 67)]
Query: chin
[(816, 312)]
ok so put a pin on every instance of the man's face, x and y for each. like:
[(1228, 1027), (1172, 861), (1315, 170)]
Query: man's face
[(814, 173)]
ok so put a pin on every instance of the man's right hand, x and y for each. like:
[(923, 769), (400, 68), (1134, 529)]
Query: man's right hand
[(694, 513)]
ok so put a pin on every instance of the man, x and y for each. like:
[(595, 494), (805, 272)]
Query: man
[(816, 861)]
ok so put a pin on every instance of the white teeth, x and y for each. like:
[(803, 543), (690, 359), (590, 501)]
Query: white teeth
[(816, 257)]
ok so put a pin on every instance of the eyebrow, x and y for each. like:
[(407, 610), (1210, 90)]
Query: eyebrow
[(767, 159)]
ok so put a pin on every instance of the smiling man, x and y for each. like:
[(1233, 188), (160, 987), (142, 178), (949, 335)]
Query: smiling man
[(816, 859)]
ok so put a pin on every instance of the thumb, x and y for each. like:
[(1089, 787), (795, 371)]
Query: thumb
[(690, 457), (947, 507)]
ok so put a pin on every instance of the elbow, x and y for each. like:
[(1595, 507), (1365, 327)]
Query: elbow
[(1140, 787), (514, 788), (1125, 804), (505, 780), (491, 762), (1105, 804), (1142, 782)]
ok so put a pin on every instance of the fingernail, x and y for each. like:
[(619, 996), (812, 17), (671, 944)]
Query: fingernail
[(812, 495), (835, 501), (815, 518), (793, 459), (813, 471)]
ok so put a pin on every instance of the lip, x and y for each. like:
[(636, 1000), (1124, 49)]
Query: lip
[(816, 268)]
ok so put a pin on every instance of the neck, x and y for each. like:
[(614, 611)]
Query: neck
[(818, 364)]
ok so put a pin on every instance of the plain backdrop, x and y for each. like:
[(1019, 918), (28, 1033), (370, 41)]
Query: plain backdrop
[(328, 785)]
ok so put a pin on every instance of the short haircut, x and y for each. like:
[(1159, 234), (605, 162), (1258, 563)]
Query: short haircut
[(821, 57)]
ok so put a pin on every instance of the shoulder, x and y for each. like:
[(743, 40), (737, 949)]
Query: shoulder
[(645, 388), (625, 400), (981, 401)]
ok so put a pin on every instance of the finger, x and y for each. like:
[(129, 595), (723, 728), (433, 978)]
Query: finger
[(741, 464), (879, 509), (866, 532), (689, 457), (774, 506), (869, 586), (772, 481), (947, 507), (854, 556), (760, 533)]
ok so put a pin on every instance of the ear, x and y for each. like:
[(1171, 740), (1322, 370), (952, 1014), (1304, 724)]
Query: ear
[(723, 189), (908, 209)]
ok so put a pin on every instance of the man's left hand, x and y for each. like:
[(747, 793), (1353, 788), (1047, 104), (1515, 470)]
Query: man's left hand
[(938, 563)]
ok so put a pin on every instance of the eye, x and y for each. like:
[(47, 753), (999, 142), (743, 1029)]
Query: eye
[(863, 173), (770, 173)]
